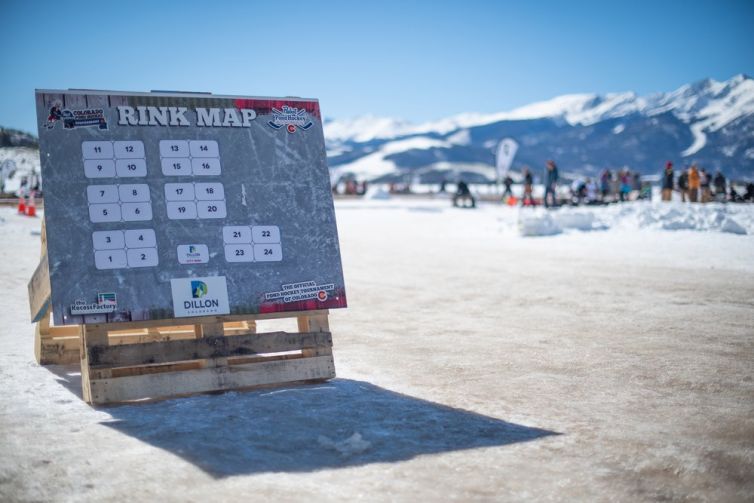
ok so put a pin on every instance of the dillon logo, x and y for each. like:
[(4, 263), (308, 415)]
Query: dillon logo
[(200, 296), (291, 118)]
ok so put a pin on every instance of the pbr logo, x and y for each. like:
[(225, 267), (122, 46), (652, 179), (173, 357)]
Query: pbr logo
[(290, 117), (76, 118)]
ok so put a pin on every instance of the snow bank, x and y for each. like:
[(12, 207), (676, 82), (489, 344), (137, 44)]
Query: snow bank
[(713, 217)]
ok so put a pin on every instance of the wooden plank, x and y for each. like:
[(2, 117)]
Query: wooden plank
[(101, 356), (130, 325), (39, 290), (59, 351), (89, 336), (210, 379)]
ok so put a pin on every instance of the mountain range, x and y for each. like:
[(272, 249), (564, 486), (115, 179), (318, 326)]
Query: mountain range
[(708, 122)]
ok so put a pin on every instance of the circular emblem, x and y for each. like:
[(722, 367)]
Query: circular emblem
[(291, 128), (322, 295)]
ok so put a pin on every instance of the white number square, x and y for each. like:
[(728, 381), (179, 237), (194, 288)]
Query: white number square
[(210, 191), (238, 253), (142, 257), (179, 191), (108, 240), (100, 168), (211, 209), (97, 150), (268, 253), (181, 210), (131, 167), (236, 234), (135, 212), (205, 167), (99, 213), (174, 148), (176, 166), (265, 234), (110, 259), (102, 194), (141, 238), (203, 148), (129, 149), (133, 193)]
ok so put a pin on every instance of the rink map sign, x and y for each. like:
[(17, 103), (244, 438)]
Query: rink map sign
[(170, 205)]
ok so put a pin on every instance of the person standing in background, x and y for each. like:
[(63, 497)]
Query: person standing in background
[(719, 184), (605, 184), (694, 183), (683, 185), (551, 183), (667, 182), (527, 200), (704, 182)]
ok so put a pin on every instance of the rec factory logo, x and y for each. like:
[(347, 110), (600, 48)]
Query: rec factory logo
[(291, 118), (200, 296)]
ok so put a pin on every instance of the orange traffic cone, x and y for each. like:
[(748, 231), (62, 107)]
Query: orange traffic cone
[(31, 208), (21, 205)]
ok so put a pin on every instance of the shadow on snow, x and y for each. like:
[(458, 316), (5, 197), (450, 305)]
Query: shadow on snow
[(336, 424)]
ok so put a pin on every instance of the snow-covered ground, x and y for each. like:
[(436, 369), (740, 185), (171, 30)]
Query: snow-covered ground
[(474, 363)]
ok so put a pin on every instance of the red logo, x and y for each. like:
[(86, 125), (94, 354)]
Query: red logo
[(322, 295), (291, 128)]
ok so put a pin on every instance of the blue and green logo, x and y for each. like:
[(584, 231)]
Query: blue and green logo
[(198, 289)]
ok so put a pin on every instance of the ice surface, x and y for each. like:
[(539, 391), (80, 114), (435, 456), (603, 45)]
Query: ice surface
[(476, 363)]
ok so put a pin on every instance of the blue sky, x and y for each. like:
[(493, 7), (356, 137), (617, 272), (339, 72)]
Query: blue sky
[(414, 60)]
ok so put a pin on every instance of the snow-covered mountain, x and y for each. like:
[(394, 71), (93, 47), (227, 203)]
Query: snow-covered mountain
[(708, 122)]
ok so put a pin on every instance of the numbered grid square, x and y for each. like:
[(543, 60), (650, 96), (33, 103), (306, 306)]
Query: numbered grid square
[(110, 259), (181, 210), (179, 191), (205, 167), (174, 148), (99, 168), (176, 166), (239, 253), (98, 194), (128, 149), (131, 168), (99, 213), (203, 148), (136, 212), (133, 193), (140, 238), (142, 257), (97, 150), (265, 234), (210, 191), (268, 253), (108, 240), (211, 209), (233, 234)]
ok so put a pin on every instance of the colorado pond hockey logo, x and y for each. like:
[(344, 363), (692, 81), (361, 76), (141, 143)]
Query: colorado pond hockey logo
[(290, 117), (76, 118), (198, 289)]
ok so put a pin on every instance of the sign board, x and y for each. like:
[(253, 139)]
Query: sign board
[(169, 205)]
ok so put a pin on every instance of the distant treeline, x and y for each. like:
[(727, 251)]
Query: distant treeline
[(16, 138)]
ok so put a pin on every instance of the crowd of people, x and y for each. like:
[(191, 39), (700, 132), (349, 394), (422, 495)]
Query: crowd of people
[(696, 185)]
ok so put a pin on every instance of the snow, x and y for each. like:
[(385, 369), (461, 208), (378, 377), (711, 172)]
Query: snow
[(610, 361), (26, 161), (374, 164), (712, 217), (706, 106)]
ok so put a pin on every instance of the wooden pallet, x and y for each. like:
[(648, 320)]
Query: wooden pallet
[(164, 358), (159, 359)]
